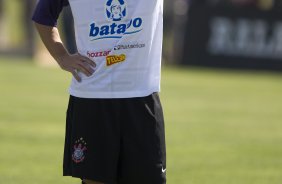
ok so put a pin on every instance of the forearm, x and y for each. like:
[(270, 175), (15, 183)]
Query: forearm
[(52, 40), (71, 63)]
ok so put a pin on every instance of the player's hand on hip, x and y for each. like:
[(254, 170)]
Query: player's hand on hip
[(77, 63)]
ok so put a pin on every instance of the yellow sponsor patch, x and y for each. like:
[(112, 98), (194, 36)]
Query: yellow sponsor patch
[(113, 59)]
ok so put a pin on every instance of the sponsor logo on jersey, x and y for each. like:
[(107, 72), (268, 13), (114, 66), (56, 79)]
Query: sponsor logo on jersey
[(114, 59), (79, 151), (116, 12), (129, 46), (98, 54)]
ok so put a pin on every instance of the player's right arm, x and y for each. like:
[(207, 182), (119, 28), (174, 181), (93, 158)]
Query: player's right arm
[(45, 18), (71, 63)]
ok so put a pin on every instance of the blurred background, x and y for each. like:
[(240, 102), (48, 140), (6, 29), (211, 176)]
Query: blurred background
[(221, 93)]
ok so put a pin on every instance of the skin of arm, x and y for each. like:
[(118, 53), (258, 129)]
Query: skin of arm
[(71, 63)]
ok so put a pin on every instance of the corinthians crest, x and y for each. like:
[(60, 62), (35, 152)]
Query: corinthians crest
[(116, 10), (79, 151)]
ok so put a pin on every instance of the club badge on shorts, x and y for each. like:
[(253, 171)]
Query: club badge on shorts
[(79, 150)]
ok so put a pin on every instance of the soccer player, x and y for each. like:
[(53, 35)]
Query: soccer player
[(115, 126)]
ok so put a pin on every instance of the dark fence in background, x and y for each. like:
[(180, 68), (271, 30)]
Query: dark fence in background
[(233, 37)]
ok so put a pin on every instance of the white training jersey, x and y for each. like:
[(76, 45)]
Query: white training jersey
[(124, 39)]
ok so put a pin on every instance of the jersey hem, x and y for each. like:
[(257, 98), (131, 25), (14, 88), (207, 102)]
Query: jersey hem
[(109, 95)]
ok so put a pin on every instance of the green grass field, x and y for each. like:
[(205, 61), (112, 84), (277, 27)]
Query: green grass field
[(222, 127)]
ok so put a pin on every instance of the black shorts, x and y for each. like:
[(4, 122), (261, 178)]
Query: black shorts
[(116, 141)]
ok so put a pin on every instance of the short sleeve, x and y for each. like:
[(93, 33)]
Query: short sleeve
[(48, 11)]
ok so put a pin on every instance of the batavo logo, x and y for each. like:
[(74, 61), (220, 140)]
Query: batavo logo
[(118, 26), (113, 59), (115, 30)]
